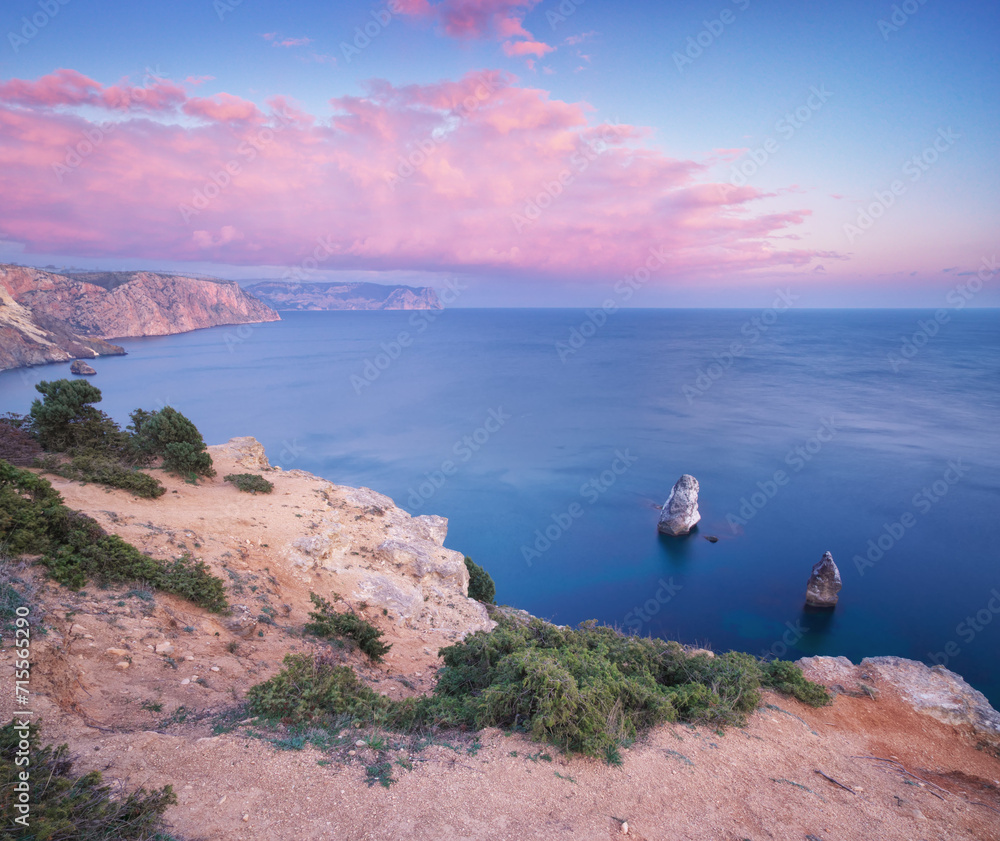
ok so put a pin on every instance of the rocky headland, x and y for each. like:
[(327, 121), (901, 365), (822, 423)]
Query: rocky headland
[(138, 682), (291, 295), (47, 317)]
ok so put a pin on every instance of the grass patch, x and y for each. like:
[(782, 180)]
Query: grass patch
[(64, 806), (329, 624), (250, 483)]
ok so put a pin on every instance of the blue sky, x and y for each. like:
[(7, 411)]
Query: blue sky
[(894, 79)]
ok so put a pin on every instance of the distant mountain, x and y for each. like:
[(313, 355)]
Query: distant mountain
[(47, 317), (284, 295)]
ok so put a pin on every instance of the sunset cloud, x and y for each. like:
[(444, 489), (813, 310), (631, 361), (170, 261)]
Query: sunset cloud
[(474, 174)]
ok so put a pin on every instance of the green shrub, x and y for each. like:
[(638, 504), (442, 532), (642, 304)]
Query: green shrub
[(64, 807), (589, 689), (309, 690), (250, 483), (329, 624), (481, 586), (75, 548), (114, 474), (171, 436), (787, 678)]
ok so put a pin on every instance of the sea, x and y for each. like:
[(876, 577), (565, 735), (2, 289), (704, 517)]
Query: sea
[(549, 438)]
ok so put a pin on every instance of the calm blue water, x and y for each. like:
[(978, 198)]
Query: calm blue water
[(586, 448)]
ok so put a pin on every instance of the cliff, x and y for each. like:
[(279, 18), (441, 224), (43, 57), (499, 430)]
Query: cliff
[(33, 338), (147, 688), (140, 304), (344, 296)]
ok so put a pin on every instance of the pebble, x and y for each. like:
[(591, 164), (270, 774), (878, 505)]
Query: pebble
[(214, 669), (223, 800), (116, 652), (185, 682), (360, 743), (351, 752), (246, 818), (624, 827), (122, 665), (164, 648), (77, 629)]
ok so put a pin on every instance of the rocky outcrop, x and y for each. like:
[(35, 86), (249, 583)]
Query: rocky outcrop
[(28, 337), (247, 452), (46, 317), (283, 295), (824, 585), (680, 511), (81, 369), (930, 690)]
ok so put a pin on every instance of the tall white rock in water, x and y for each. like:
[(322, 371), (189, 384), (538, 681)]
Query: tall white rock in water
[(824, 583), (680, 511)]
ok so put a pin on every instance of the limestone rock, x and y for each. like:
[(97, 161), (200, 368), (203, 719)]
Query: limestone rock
[(680, 511), (242, 622), (939, 693), (824, 583), (248, 452), (164, 648), (81, 368)]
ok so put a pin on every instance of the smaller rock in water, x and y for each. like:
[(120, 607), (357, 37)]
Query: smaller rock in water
[(680, 511), (81, 368), (711, 538), (824, 583)]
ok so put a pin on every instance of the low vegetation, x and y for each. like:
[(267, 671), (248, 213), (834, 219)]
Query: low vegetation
[(252, 483), (481, 586), (109, 472), (75, 549), (588, 690), (329, 624), (67, 807)]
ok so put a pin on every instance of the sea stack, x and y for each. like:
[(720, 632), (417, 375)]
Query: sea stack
[(680, 511), (81, 368), (824, 583)]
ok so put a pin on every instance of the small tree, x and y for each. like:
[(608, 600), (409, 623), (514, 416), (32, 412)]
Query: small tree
[(66, 407), (167, 433), (481, 586)]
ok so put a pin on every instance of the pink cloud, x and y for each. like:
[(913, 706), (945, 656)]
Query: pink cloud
[(70, 88), (199, 80), (293, 42), (522, 48), (501, 20), (475, 174), (223, 107)]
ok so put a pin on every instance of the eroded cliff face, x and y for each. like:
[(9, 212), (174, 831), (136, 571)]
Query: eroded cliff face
[(149, 304), (31, 338), (284, 295)]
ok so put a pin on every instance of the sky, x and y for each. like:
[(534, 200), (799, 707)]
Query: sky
[(527, 152)]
